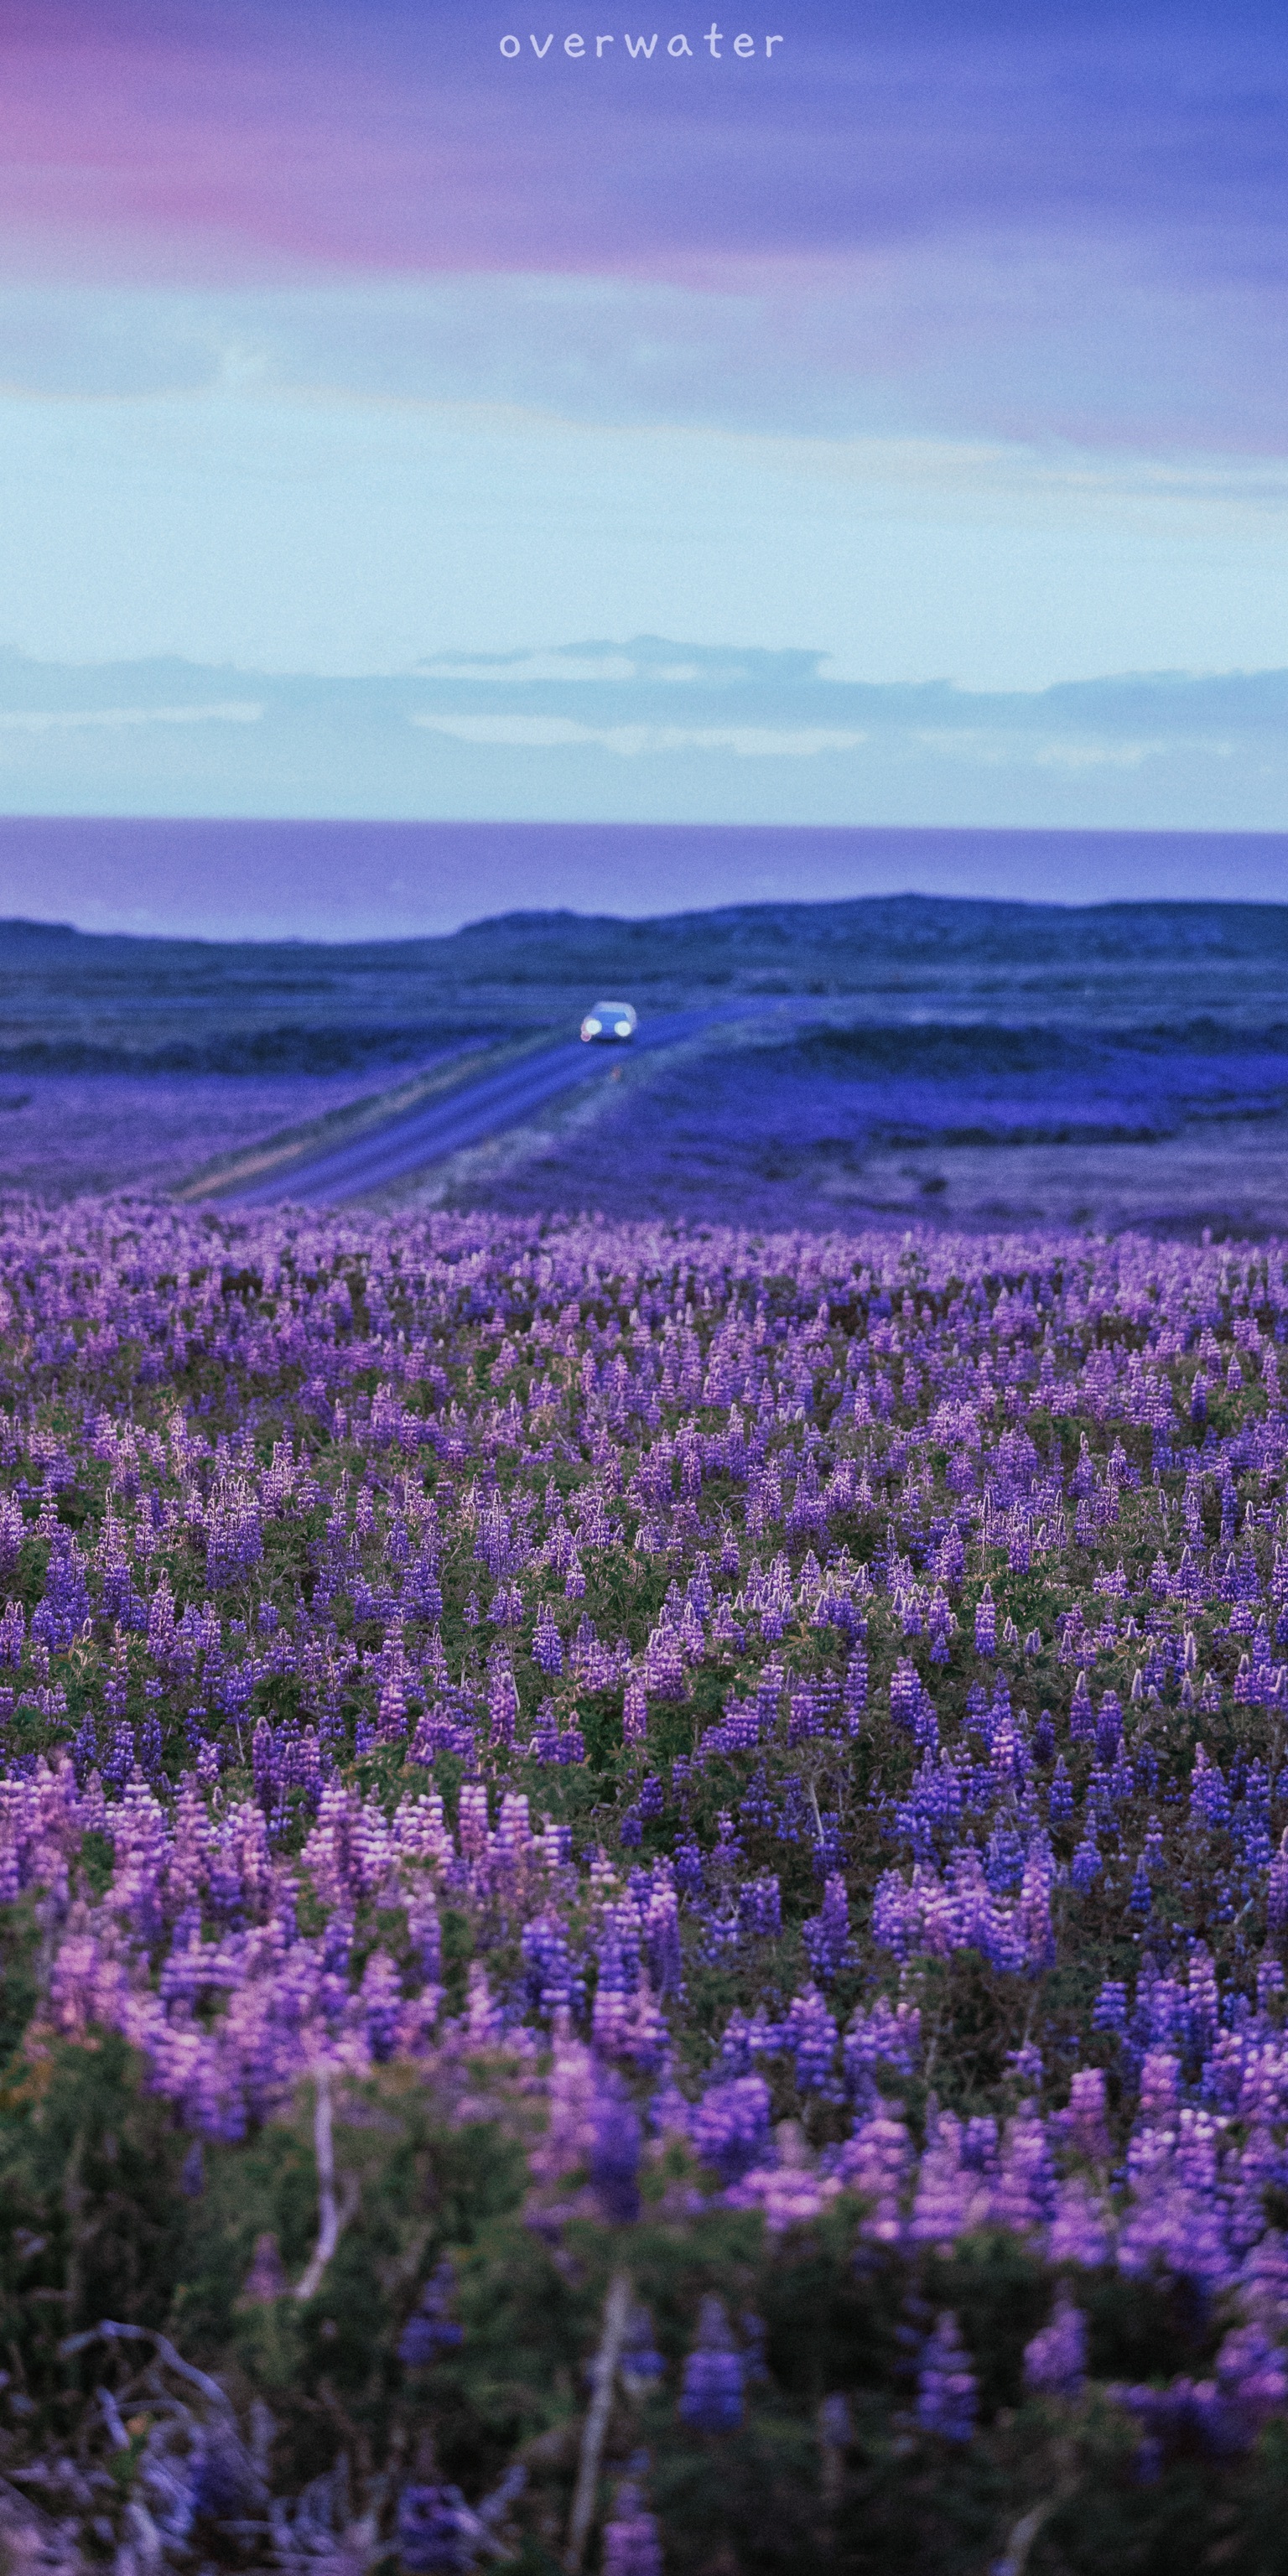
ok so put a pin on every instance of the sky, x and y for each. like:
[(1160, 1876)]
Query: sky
[(931, 349)]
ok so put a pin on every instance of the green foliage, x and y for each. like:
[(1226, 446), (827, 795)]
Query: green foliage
[(103, 2216)]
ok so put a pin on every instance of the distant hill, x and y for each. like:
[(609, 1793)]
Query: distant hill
[(748, 937), (842, 940), (73, 999)]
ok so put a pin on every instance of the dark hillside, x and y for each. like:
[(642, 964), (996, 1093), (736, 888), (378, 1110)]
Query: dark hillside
[(75, 1001)]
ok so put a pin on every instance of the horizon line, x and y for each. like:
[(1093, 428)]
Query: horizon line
[(28, 923)]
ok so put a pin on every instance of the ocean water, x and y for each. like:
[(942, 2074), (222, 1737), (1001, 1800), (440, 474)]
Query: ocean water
[(232, 880)]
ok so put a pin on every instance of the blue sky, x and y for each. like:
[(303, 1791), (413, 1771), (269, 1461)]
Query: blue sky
[(945, 349)]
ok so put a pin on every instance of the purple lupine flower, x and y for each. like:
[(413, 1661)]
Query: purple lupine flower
[(1109, 1727), (1021, 2190), (1204, 1999), (731, 2125), (641, 2361), (939, 1626), (1086, 2117), (1140, 1898), (616, 1983), (616, 2140), (436, 2535), (85, 1749), (827, 1855), (1086, 1860), (1264, 2282), (827, 1935), (947, 2393), (12, 1533), (950, 2199), (1209, 1795), (119, 1760), (382, 2006), (634, 1711), (854, 1691), (811, 2034), (391, 1707), (1109, 2012), (1186, 2416), (662, 1932), (65, 1607), (547, 1645), (1252, 2374), (502, 1703), (632, 2542), (1055, 2360), (760, 1908), (1061, 1801), (986, 1623), (263, 1761), (905, 1693), (664, 1676), (711, 2399), (1081, 2226), (1082, 1724), (876, 2162)]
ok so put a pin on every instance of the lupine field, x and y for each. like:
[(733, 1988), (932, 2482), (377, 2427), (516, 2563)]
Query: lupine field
[(644, 1893)]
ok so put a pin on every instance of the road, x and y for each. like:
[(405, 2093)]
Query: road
[(438, 1127)]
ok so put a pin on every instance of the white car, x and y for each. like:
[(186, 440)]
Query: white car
[(609, 1020)]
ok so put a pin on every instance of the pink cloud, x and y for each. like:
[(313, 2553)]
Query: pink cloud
[(240, 140)]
